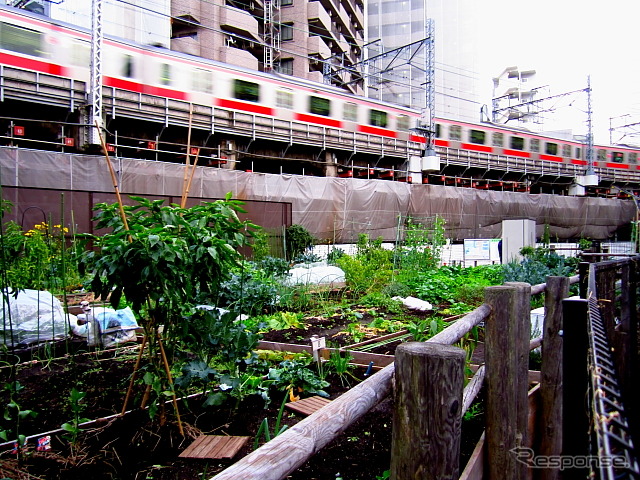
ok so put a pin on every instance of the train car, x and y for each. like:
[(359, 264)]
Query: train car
[(38, 44), (520, 143)]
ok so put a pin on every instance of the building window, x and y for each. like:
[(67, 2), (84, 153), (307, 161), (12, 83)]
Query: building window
[(455, 132), (320, 106), (286, 3), (165, 74), (534, 144), (286, 66), (286, 32), (350, 112), (497, 139), (284, 99), (517, 143), (243, 90), (378, 118), (477, 136)]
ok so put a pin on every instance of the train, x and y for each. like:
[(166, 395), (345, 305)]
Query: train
[(39, 44)]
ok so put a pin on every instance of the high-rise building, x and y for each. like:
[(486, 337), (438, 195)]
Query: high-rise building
[(396, 23)]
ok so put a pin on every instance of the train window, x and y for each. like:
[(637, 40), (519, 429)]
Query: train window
[(551, 148), (320, 106), (127, 66), (633, 157), (566, 150), (403, 122), (202, 81), (578, 152), (350, 112), (438, 130), (165, 74), (517, 143), (244, 90), (455, 132), (497, 139), (534, 144), (617, 157), (602, 155), (80, 54), (21, 40), (284, 99), (477, 136), (378, 118)]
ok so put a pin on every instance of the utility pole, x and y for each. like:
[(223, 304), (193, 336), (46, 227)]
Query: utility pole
[(430, 160), (95, 117), (590, 170)]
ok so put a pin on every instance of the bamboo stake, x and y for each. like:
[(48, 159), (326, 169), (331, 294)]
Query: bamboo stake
[(133, 375), (185, 180), (193, 171), (114, 180), (173, 393)]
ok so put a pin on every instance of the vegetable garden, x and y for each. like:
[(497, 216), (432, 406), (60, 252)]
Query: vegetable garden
[(202, 308)]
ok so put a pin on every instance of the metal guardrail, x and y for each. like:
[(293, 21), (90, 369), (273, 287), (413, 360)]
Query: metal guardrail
[(615, 449)]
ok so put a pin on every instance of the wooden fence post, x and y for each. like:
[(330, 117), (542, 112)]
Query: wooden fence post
[(507, 332), (551, 374), (583, 273), (429, 379)]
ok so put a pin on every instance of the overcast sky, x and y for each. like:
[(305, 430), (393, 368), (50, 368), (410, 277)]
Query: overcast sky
[(565, 41)]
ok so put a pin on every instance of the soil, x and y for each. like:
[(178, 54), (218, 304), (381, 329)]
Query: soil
[(134, 447)]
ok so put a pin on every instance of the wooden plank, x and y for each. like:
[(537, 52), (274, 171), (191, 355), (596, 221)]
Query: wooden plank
[(309, 405), (475, 466), (214, 446), (359, 358)]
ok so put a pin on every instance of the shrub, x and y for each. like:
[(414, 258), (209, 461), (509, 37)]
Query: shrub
[(297, 240)]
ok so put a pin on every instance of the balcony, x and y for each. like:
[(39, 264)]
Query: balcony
[(239, 22), (319, 19), (239, 57), (317, 47)]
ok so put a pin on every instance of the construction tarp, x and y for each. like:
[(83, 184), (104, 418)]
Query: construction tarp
[(335, 210)]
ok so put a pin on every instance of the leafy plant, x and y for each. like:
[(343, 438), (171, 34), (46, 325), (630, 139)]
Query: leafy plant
[(167, 261), (297, 240), (73, 427), (295, 374), (14, 415), (341, 365), (264, 426)]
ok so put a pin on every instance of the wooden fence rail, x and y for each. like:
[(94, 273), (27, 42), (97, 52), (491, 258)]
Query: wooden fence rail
[(291, 449)]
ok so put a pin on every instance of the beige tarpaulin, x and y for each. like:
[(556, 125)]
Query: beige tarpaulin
[(333, 209)]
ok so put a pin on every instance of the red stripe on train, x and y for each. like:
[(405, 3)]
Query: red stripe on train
[(31, 64), (123, 84), (327, 122), (383, 132), (551, 158), (417, 138), (245, 106), (442, 143), (616, 165), (578, 162), (477, 148), (516, 153)]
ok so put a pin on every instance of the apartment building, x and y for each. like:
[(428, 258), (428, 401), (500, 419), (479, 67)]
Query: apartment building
[(317, 40)]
